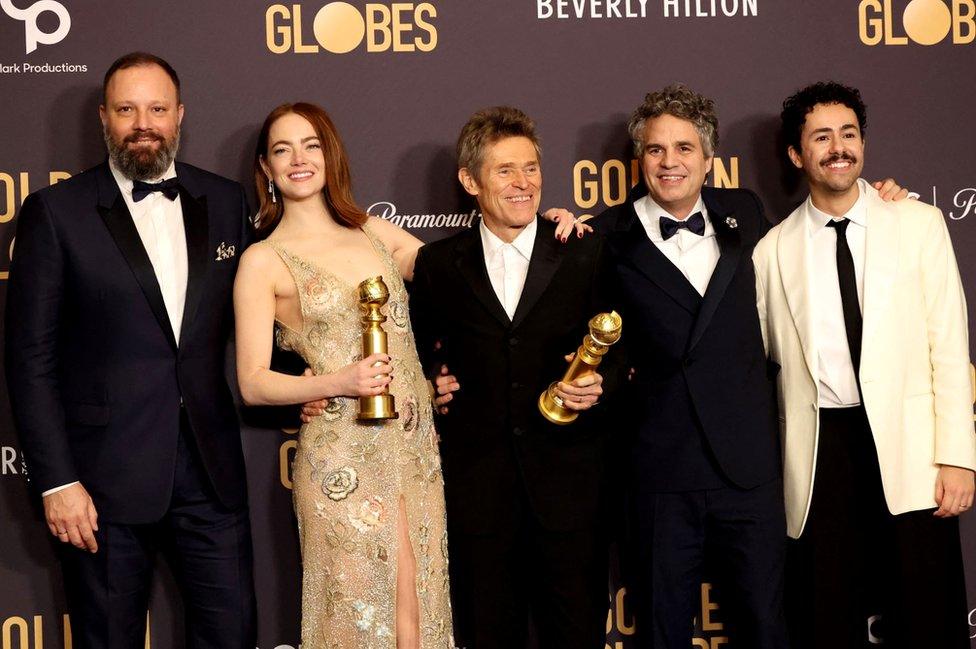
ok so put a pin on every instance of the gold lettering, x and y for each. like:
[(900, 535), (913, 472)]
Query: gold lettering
[(590, 187), (300, 46), (278, 35), (890, 38), (622, 625), (718, 641), (722, 177), (285, 455), (423, 25), (10, 193), (961, 20), (400, 26), (707, 606), (55, 177), (66, 626), (22, 633), (871, 28), (619, 183), (378, 19)]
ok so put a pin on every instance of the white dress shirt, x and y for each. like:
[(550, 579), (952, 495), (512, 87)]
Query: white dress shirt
[(160, 225), (837, 380), (159, 222), (508, 264), (695, 256)]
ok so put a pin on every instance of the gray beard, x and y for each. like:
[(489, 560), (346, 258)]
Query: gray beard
[(142, 165)]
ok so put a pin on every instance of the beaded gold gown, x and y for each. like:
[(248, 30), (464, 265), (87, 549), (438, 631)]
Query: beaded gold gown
[(349, 477)]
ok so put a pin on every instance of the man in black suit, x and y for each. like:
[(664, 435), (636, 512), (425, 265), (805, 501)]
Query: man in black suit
[(704, 462), (524, 496), (118, 316)]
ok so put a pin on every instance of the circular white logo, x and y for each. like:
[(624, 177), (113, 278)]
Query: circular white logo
[(33, 34)]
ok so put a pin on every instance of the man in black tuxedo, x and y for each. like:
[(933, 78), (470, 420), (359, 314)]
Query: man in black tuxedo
[(704, 462), (118, 316), (524, 496)]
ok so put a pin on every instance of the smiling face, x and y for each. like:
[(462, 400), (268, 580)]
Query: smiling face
[(141, 120), (509, 186), (294, 159), (674, 163), (831, 150)]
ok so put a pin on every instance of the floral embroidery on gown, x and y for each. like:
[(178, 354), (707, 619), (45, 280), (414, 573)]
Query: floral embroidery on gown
[(348, 477)]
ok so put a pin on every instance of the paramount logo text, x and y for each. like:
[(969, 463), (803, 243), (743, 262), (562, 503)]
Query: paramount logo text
[(388, 211)]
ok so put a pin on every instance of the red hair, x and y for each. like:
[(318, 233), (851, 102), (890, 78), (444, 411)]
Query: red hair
[(338, 183)]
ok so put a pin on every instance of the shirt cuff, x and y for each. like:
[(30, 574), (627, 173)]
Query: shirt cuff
[(57, 489)]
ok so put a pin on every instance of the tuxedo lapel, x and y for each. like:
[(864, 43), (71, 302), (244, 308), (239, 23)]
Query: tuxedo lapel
[(196, 225), (470, 262), (118, 221), (730, 252), (629, 241), (795, 259), (546, 257), (880, 266)]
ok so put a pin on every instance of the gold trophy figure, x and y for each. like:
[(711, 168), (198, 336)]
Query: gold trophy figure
[(373, 294), (605, 330)]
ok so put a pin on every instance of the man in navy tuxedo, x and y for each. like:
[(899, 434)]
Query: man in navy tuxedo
[(703, 467), (118, 316)]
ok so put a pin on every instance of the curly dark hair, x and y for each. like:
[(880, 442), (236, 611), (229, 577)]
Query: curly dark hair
[(677, 100), (799, 105)]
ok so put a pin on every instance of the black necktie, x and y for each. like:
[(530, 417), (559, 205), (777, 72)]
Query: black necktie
[(848, 292), (170, 188), (694, 223)]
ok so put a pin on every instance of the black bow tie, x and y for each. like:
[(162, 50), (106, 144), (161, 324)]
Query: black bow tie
[(694, 223), (170, 188)]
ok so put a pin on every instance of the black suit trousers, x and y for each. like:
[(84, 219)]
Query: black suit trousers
[(500, 580), (857, 574), (739, 532), (208, 548)]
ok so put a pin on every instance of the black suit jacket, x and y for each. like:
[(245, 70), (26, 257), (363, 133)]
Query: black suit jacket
[(701, 407), (94, 371), (494, 443)]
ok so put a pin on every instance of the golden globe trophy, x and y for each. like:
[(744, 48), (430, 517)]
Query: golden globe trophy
[(373, 294), (605, 330)]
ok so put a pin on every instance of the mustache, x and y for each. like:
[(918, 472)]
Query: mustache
[(142, 135), (838, 157)]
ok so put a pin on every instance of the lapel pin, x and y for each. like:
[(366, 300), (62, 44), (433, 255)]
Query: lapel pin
[(225, 252), (731, 222)]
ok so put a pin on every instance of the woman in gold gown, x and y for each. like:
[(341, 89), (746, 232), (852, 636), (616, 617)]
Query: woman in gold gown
[(369, 497)]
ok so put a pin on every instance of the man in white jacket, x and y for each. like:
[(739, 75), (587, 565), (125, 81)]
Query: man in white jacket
[(862, 307)]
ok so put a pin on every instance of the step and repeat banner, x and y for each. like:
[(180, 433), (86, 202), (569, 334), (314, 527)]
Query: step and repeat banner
[(400, 79)]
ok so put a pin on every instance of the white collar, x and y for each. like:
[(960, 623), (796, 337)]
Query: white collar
[(524, 242), (817, 219)]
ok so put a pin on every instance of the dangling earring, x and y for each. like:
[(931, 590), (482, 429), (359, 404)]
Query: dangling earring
[(272, 191)]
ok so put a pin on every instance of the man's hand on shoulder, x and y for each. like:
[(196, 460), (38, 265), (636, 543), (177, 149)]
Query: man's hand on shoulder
[(889, 190), (566, 223), (954, 489), (71, 517)]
